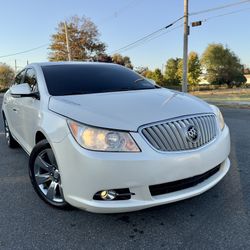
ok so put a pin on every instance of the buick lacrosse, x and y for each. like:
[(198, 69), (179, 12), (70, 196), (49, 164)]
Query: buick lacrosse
[(103, 138)]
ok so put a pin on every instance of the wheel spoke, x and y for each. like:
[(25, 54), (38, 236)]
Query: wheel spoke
[(52, 190), (7, 135), (60, 190), (51, 156), (42, 178), (40, 163)]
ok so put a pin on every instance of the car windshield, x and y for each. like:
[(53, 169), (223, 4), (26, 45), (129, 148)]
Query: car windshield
[(74, 79)]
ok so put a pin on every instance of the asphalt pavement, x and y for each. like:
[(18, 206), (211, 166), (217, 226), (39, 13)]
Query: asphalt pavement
[(217, 219)]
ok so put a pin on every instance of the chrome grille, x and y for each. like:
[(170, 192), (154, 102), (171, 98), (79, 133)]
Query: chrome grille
[(172, 135)]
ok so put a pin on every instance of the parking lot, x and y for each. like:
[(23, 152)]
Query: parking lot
[(217, 219)]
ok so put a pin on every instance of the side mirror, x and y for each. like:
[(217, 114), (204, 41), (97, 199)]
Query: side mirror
[(20, 89), (23, 90)]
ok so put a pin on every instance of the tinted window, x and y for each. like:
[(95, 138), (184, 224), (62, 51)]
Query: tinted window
[(19, 77), (92, 78), (30, 78)]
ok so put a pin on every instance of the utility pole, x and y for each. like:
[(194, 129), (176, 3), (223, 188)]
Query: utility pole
[(15, 67), (185, 48), (67, 41)]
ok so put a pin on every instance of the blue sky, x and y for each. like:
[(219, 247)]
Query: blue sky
[(29, 23)]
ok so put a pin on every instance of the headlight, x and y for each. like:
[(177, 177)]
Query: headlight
[(219, 116), (99, 139)]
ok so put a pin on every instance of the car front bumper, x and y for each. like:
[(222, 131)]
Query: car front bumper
[(84, 172)]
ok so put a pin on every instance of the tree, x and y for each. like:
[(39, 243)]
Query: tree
[(149, 74), (194, 68), (103, 58), (246, 70), (158, 77), (180, 70), (171, 71), (142, 70), (6, 75), (222, 66), (122, 60), (83, 41), (155, 75)]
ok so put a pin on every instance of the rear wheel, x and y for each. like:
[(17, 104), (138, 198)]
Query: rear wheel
[(45, 175), (12, 143)]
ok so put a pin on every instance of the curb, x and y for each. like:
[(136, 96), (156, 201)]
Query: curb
[(239, 105)]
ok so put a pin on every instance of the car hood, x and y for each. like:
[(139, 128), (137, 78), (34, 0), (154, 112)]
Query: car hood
[(127, 110)]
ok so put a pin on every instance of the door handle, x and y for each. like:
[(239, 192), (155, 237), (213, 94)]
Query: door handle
[(15, 110)]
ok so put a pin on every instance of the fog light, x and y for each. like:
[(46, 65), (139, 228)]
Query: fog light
[(113, 195), (108, 195)]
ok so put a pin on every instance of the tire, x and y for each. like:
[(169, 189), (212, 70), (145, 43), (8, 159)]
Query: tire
[(11, 142), (45, 176)]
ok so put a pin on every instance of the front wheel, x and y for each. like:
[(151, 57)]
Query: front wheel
[(45, 175)]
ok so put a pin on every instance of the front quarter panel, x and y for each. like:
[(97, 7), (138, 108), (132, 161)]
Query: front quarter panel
[(53, 126)]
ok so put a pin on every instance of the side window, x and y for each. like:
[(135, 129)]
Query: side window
[(19, 77), (30, 78)]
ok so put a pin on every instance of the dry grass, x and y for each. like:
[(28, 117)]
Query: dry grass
[(236, 94)]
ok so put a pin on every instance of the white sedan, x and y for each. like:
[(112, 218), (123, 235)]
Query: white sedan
[(102, 138)]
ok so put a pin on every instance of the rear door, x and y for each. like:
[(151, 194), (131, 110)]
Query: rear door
[(12, 108)]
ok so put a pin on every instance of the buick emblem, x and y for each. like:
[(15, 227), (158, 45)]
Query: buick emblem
[(192, 133)]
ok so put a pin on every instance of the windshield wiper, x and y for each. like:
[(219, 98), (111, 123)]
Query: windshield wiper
[(142, 79), (139, 79)]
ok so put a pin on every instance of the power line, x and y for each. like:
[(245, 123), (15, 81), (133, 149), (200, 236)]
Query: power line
[(153, 38), (181, 25), (166, 32), (219, 7), (25, 51), (146, 37), (225, 14)]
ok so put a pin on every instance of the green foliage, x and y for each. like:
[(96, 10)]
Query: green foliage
[(6, 75), (171, 72), (194, 68), (149, 74), (83, 40), (155, 75), (180, 69), (158, 77), (122, 60), (222, 65)]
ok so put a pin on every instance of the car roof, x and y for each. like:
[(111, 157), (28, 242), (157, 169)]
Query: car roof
[(71, 63)]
